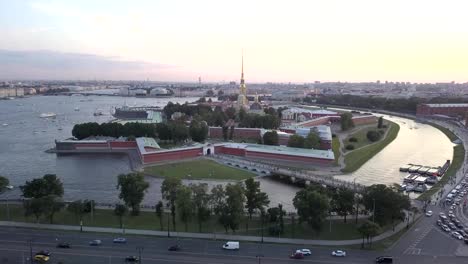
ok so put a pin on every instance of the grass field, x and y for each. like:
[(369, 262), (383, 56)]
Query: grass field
[(149, 221), (336, 149), (197, 170), (355, 159), (361, 136)]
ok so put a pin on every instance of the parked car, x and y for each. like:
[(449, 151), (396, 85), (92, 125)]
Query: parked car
[(64, 245), (132, 259), (120, 240), (384, 259), (231, 245), (466, 240), (452, 226), (339, 253), (174, 248), (297, 255), (429, 213), (439, 222), (457, 235), (95, 242), (445, 228), (305, 251)]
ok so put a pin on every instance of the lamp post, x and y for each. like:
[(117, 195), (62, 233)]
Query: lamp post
[(30, 251), (139, 253), (168, 226), (373, 211)]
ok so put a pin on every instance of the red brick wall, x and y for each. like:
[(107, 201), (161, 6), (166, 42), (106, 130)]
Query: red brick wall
[(316, 122), (230, 151), (172, 155), (216, 132), (91, 145), (123, 144), (423, 109), (365, 120), (239, 133)]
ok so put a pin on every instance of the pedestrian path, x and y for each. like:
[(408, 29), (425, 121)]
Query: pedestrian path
[(213, 236)]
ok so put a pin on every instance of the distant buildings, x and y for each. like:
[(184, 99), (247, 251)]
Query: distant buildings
[(450, 110), (6, 92)]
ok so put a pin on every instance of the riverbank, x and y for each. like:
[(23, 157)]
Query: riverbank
[(355, 159)]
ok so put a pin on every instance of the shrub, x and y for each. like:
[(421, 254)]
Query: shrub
[(333, 135), (353, 139), (381, 132), (350, 147), (373, 135)]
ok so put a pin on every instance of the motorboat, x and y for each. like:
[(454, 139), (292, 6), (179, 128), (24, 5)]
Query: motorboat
[(48, 115), (98, 112), (77, 109)]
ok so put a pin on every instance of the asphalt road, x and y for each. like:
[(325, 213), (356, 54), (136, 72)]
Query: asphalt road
[(14, 248)]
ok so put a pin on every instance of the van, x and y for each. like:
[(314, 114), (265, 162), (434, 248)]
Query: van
[(384, 260), (231, 245)]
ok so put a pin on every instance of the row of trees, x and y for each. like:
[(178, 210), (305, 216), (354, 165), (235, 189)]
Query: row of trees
[(312, 141)]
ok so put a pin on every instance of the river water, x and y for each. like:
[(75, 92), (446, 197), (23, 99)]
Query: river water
[(25, 136)]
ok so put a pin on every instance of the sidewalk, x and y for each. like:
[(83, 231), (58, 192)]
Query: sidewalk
[(384, 235)]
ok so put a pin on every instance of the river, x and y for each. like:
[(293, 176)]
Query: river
[(25, 136)]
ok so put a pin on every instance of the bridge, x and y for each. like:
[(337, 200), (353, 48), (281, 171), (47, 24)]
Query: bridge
[(305, 176)]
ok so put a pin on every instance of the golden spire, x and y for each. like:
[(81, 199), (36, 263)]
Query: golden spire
[(242, 69)]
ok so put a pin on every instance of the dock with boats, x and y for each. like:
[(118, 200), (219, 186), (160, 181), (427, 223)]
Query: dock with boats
[(420, 176)]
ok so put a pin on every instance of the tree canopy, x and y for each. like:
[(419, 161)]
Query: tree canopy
[(296, 141), (346, 121), (389, 204), (270, 138), (255, 199), (169, 191), (132, 190), (312, 206), (49, 184), (4, 182)]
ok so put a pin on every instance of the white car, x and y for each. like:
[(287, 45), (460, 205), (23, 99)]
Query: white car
[(305, 251), (120, 240), (429, 213), (457, 235), (339, 253)]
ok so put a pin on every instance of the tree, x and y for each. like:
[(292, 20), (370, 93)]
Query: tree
[(225, 133), (184, 204), (380, 122), (78, 208), (159, 213), (49, 184), (281, 220), (373, 135), (230, 113), (346, 121), (51, 204), (312, 141), (132, 190), (4, 182), (296, 141), (255, 199), (34, 206), (343, 201), (179, 131), (231, 133), (368, 229), (198, 131), (389, 204), (201, 200), (120, 210), (312, 206), (169, 189), (270, 138), (235, 203)]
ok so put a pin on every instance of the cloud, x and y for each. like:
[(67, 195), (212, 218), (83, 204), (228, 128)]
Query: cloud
[(44, 64)]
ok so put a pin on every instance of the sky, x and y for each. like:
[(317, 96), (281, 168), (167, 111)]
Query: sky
[(282, 41)]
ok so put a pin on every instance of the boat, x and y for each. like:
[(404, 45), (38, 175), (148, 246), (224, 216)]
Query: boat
[(9, 187), (77, 109), (98, 112), (414, 168), (433, 172), (47, 115), (60, 128), (420, 180), (424, 169), (406, 167), (410, 178), (4, 124)]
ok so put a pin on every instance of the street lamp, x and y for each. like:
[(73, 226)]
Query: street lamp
[(139, 253), (30, 251), (373, 212)]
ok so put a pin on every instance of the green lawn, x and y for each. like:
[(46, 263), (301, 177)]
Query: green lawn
[(336, 149), (355, 159), (361, 136), (149, 221), (198, 169)]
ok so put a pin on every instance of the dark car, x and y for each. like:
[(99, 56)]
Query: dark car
[(384, 259), (64, 245), (44, 253), (466, 240), (174, 248), (133, 259), (297, 255)]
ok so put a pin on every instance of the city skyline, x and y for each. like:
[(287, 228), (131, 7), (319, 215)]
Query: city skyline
[(421, 41)]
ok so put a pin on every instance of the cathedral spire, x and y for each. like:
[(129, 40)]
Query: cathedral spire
[(242, 68)]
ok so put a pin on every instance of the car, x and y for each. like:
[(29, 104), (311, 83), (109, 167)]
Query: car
[(231, 245), (296, 255), (120, 240), (429, 213), (439, 222), (452, 226), (95, 242), (442, 217), (451, 216), (452, 207), (41, 258), (384, 259), (339, 253), (44, 253), (174, 248), (446, 228), (305, 251), (133, 259), (450, 212), (64, 245), (466, 240), (463, 233), (457, 235)]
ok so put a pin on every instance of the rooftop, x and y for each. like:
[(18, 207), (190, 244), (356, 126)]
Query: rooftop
[(311, 153), (447, 105)]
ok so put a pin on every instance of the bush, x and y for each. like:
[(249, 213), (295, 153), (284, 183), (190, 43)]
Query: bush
[(333, 135), (350, 147), (353, 139), (373, 136), (381, 132)]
